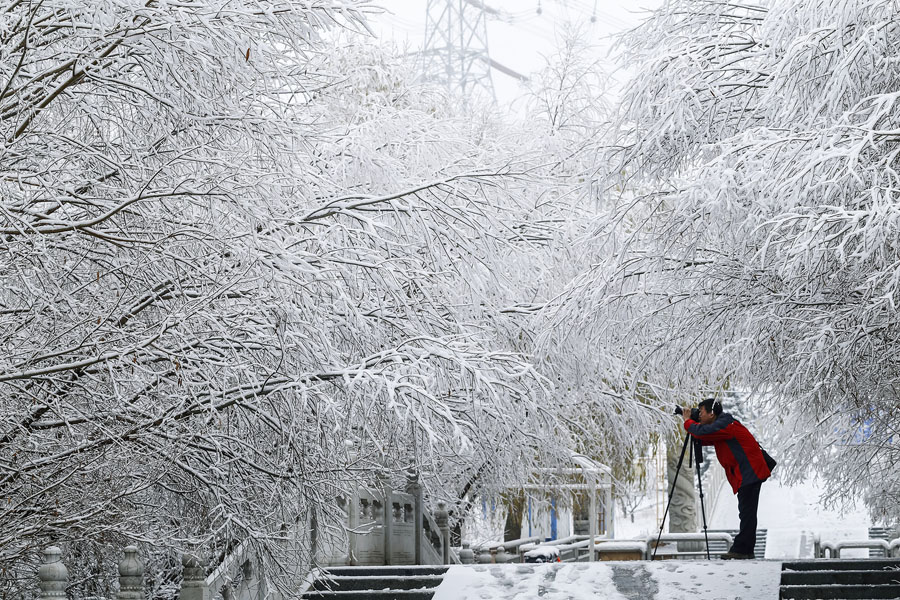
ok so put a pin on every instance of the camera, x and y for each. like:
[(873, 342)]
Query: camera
[(695, 412)]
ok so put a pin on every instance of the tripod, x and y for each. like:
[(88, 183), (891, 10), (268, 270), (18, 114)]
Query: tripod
[(698, 454)]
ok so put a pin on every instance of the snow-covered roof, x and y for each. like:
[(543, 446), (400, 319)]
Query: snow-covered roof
[(595, 474), (588, 465)]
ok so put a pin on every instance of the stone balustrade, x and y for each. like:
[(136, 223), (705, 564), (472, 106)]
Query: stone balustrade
[(53, 577), (238, 576), (53, 574), (389, 527)]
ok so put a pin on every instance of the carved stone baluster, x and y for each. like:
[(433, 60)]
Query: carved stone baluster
[(54, 575), (414, 488), (248, 583), (131, 576), (193, 578), (442, 517), (388, 519), (466, 555)]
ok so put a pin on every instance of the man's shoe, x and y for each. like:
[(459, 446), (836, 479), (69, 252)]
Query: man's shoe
[(737, 556)]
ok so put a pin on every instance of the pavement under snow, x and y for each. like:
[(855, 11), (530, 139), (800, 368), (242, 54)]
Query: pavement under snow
[(637, 580)]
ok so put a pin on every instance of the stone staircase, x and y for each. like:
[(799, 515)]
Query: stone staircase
[(376, 583), (841, 579)]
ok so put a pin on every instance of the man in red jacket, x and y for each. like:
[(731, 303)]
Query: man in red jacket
[(741, 457)]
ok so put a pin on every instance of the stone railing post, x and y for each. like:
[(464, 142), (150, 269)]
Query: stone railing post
[(610, 514), (131, 576), (592, 524), (193, 578), (53, 575), (466, 555), (353, 522), (388, 521), (250, 583), (414, 488), (442, 518)]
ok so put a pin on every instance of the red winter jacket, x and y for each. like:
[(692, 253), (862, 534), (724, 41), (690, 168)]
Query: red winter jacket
[(736, 448)]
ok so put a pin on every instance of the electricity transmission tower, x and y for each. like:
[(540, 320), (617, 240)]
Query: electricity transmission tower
[(456, 48)]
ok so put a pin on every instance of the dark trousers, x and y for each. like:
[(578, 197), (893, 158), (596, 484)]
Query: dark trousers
[(748, 502)]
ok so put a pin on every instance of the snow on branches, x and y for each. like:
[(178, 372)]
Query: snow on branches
[(227, 293), (759, 247)]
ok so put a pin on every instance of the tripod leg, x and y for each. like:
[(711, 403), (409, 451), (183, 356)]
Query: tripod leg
[(687, 438), (699, 456)]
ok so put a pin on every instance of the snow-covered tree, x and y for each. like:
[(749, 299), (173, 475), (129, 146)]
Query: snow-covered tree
[(566, 127), (754, 244), (227, 282)]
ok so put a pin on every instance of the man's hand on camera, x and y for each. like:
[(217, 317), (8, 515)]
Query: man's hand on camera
[(686, 412)]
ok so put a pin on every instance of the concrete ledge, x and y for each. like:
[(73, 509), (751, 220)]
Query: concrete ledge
[(621, 550)]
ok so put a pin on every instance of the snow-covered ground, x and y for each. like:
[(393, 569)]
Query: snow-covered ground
[(792, 515), (670, 580)]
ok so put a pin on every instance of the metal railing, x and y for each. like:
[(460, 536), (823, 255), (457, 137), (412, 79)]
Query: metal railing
[(833, 549), (573, 548), (701, 538)]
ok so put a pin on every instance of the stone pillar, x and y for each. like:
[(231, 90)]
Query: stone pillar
[(131, 576), (442, 517), (414, 488), (388, 521), (251, 586), (610, 514), (193, 578), (683, 508), (592, 524), (353, 523), (466, 555), (53, 575)]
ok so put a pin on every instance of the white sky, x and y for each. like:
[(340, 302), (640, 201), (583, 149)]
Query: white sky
[(521, 36)]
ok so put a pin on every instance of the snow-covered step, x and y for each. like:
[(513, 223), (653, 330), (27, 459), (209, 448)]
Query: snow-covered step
[(844, 579), (376, 583), (839, 592), (843, 564)]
